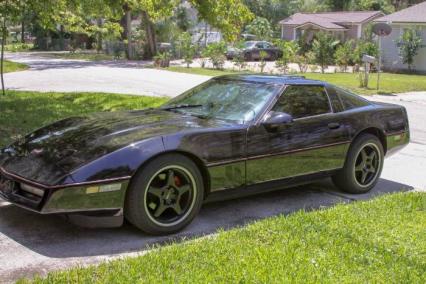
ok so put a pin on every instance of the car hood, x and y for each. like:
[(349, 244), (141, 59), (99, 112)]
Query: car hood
[(49, 154)]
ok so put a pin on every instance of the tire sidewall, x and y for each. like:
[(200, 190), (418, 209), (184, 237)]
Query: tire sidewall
[(135, 205), (350, 183)]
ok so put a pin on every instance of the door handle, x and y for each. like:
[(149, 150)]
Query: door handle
[(334, 125)]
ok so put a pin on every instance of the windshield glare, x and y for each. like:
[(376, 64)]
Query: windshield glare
[(249, 44), (233, 100)]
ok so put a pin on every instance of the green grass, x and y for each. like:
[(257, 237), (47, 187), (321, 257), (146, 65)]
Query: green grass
[(10, 66), (389, 83), (22, 112), (377, 241), (89, 56)]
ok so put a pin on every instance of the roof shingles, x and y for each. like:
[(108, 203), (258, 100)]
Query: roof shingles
[(413, 14), (330, 20)]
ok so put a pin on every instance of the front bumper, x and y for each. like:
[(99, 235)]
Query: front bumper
[(74, 200)]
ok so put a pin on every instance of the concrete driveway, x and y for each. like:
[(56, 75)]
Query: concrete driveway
[(33, 244)]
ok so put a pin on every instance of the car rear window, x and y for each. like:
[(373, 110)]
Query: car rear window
[(350, 100)]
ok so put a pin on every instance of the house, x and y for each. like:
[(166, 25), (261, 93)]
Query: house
[(414, 16), (343, 25)]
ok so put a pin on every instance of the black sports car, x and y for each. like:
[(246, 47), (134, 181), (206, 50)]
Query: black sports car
[(252, 51), (229, 136)]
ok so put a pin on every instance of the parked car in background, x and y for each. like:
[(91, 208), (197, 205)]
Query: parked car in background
[(251, 51)]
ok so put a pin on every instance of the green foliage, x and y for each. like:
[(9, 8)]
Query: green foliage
[(344, 54), (162, 59), (216, 54), (364, 47), (10, 66), (261, 28), (229, 16), (18, 47), (323, 47), (376, 241), (289, 50), (409, 44), (238, 58), (262, 63), (186, 48)]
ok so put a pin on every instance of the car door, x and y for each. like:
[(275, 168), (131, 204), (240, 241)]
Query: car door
[(269, 49), (256, 50), (315, 141)]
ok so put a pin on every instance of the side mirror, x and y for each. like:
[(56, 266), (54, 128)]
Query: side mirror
[(275, 119)]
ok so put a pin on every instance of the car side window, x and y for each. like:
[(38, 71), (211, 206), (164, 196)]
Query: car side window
[(259, 45), (267, 45), (303, 101), (349, 100)]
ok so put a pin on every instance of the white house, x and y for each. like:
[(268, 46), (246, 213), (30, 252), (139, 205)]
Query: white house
[(414, 16)]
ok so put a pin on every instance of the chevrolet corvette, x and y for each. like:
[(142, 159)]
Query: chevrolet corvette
[(230, 136)]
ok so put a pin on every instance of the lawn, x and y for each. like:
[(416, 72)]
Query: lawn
[(389, 83), (10, 66), (378, 241), (21, 112)]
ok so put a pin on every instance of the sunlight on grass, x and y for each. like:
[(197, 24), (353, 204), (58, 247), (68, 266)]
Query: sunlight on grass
[(378, 241), (10, 66), (389, 83)]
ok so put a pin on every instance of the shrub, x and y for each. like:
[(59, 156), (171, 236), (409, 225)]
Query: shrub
[(186, 48), (344, 55), (289, 50), (409, 44), (323, 47), (262, 63), (216, 54)]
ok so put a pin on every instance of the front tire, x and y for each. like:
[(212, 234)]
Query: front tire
[(363, 166), (165, 195)]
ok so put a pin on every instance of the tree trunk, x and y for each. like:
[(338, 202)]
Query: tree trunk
[(3, 42), (150, 35), (129, 33), (23, 31), (99, 37)]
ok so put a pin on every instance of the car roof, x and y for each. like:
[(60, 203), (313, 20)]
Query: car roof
[(273, 79)]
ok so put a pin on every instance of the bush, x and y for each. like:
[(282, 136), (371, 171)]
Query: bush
[(262, 57), (162, 59), (323, 47), (216, 54), (409, 44), (289, 50), (18, 47), (186, 48), (239, 59), (344, 55)]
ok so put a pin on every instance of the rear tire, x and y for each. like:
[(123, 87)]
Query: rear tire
[(165, 195), (363, 165)]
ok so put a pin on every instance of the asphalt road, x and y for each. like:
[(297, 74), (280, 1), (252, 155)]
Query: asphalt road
[(122, 77), (32, 244)]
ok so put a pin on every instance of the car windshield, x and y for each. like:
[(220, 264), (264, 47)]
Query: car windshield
[(249, 44), (238, 101)]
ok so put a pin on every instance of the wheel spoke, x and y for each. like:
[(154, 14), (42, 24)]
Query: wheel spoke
[(171, 178), (177, 208), (359, 168), (184, 189), (372, 156), (155, 191), (364, 155), (364, 177), (160, 210), (372, 170)]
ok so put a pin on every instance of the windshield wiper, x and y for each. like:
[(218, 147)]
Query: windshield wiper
[(180, 106)]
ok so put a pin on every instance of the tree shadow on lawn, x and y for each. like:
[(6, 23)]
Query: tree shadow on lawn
[(52, 236)]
